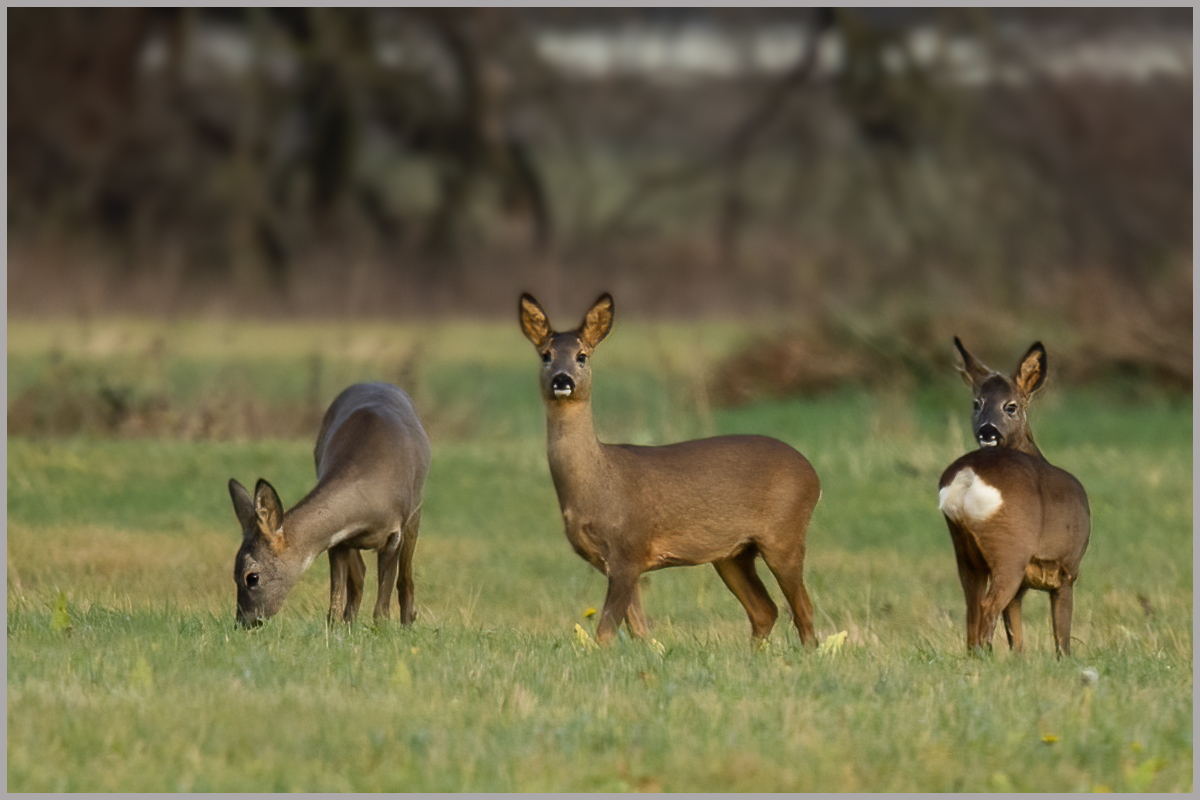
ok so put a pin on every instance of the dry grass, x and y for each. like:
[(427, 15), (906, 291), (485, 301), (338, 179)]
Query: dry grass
[(1109, 330)]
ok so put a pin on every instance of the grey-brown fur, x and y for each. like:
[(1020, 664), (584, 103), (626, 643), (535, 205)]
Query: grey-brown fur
[(629, 509), (372, 456), (1039, 534)]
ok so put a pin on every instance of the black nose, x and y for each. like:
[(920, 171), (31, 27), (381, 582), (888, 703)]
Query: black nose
[(562, 383), (988, 434)]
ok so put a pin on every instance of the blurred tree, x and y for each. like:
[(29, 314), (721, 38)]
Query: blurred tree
[(122, 123), (247, 141)]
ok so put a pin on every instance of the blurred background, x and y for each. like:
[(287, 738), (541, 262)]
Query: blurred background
[(873, 181)]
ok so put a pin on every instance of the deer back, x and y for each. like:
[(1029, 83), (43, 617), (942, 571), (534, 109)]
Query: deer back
[(702, 500), (372, 456), (371, 433), (1004, 498)]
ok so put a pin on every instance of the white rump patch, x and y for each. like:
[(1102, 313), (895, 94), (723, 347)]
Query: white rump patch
[(968, 499)]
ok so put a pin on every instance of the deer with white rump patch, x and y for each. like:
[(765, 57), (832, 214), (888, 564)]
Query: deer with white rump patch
[(1017, 521), (372, 456), (630, 509)]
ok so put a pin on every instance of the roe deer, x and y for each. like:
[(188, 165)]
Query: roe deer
[(372, 456), (1017, 522), (629, 509)]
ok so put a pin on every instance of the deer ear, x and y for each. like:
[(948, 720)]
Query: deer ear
[(1031, 372), (974, 373), (269, 513), (598, 320), (243, 506), (534, 323)]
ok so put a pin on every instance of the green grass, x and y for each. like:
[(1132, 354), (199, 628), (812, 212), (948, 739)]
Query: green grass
[(125, 671)]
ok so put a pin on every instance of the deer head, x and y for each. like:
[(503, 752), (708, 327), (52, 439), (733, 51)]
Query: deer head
[(1001, 401), (264, 576), (566, 357)]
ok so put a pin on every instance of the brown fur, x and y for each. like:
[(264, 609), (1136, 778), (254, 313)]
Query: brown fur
[(1037, 537), (629, 509)]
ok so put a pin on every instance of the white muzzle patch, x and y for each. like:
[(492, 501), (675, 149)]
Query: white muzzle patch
[(562, 393), (968, 499)]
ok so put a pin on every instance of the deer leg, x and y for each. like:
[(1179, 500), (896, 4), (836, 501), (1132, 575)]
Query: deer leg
[(972, 574), (788, 569), (404, 579), (389, 566), (1012, 622), (973, 584), (1061, 603), (1006, 582), (358, 575), (622, 586), (339, 568), (634, 616), (346, 572), (742, 579)]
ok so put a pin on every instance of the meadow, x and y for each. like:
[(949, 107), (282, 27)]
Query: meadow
[(126, 672)]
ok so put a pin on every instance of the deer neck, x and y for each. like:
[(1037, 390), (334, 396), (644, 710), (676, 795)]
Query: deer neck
[(1026, 445), (326, 516), (571, 444)]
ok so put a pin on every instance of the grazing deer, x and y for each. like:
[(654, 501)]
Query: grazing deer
[(1017, 522), (372, 456), (629, 509)]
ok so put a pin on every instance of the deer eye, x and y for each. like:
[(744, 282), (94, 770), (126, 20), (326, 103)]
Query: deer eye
[(1010, 408), (581, 359), (251, 580), (978, 403), (546, 357)]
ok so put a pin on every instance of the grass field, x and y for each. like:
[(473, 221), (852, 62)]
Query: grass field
[(126, 673)]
